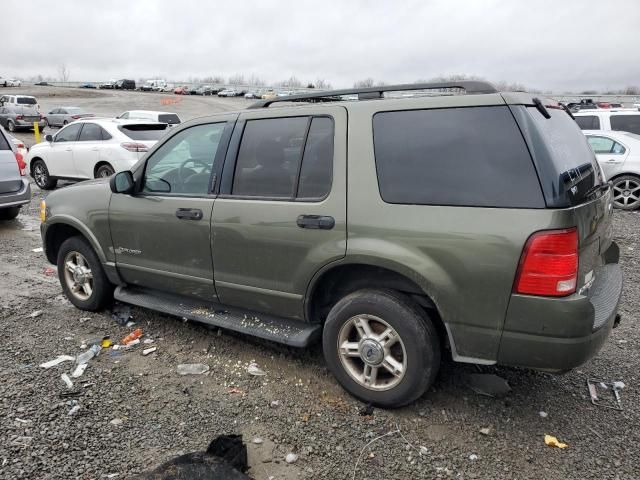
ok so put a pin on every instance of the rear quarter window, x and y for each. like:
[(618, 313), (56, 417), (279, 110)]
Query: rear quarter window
[(473, 156), (590, 122), (26, 101), (626, 123)]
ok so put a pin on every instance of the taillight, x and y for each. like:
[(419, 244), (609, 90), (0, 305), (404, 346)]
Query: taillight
[(22, 166), (549, 264), (75, 117), (134, 147), (19, 117)]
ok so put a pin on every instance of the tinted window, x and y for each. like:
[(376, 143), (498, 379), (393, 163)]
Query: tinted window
[(183, 164), (626, 123), (69, 133), (26, 101), (269, 157), (170, 118), (605, 145), (3, 142), (143, 132), (460, 156), (91, 133), (588, 123), (317, 162)]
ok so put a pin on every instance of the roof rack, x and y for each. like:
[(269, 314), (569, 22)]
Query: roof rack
[(469, 86)]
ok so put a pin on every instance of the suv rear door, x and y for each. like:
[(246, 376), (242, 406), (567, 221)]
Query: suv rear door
[(281, 212)]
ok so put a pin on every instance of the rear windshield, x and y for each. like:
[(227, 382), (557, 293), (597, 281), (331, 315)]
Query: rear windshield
[(590, 122), (26, 101), (143, 131), (472, 156), (626, 123), (170, 118), (566, 164)]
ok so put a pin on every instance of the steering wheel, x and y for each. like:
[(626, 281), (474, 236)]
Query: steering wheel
[(182, 171)]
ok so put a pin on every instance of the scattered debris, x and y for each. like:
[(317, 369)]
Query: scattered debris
[(485, 431), (291, 458), (253, 369), (366, 410), (121, 314), (473, 457), (65, 378), (488, 384), (595, 432), (609, 390), (84, 319), (543, 414), (355, 468), (74, 410), (233, 390), (132, 343), (116, 422), (37, 250), (130, 324), (106, 342), (49, 272), (135, 335), (147, 351), (192, 369), (147, 341), (424, 450), (275, 404), (88, 354), (35, 314), (58, 360), (554, 442), (257, 440), (77, 373)]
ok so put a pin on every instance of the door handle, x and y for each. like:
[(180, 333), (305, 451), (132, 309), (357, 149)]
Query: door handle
[(316, 222), (611, 160), (189, 213)]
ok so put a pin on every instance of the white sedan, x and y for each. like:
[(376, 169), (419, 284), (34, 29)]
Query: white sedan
[(92, 149)]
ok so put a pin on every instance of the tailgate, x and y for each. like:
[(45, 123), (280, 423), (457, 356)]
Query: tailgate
[(10, 180)]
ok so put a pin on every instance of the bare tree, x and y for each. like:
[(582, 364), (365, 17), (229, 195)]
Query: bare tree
[(631, 90), (256, 81), (322, 84), (367, 82), (64, 72), (237, 79)]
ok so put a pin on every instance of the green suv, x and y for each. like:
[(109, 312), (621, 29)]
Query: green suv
[(394, 228)]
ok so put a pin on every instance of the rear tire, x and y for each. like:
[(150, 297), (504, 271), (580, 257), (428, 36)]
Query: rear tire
[(40, 174), (626, 192), (82, 277), (381, 347), (9, 213), (11, 126), (65, 123), (104, 171)]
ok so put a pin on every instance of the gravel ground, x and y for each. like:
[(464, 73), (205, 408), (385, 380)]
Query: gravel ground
[(161, 414)]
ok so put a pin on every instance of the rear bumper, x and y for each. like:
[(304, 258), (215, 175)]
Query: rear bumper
[(18, 198), (25, 124), (558, 334)]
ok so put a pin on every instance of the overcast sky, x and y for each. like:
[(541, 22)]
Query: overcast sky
[(556, 44)]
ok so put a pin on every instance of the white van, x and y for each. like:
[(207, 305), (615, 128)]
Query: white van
[(609, 119)]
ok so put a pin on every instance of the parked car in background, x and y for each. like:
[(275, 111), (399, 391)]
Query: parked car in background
[(203, 90), (92, 149), (59, 117), (42, 84), (165, 117), (183, 90), (25, 100), (125, 84), (228, 92), (108, 85), (154, 85), (87, 85), (609, 119), (20, 117), (12, 82), (3, 81), (253, 94), (269, 94), (14, 183), (618, 154)]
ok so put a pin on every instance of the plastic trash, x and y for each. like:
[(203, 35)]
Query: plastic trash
[(543, 414), (65, 378), (121, 314), (77, 373), (74, 410), (137, 333), (257, 440), (147, 351), (254, 369), (37, 250), (35, 314), (132, 343), (192, 369), (554, 442), (58, 360), (106, 342), (88, 354), (291, 458), (473, 457)]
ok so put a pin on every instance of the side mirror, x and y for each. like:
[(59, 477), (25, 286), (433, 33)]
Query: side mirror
[(48, 138), (122, 182)]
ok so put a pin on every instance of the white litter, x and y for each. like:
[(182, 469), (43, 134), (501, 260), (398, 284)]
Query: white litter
[(253, 369), (79, 370), (291, 458), (473, 457), (37, 250), (618, 385), (74, 410), (35, 314), (147, 351), (65, 378), (257, 440), (57, 361), (543, 414)]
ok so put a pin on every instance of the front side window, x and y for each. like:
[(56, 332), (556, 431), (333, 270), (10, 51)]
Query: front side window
[(183, 164), (269, 157), (626, 123), (590, 122), (605, 145), (69, 133)]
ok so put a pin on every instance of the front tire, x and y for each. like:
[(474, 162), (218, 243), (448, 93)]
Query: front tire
[(41, 176), (82, 277), (626, 192), (9, 213), (381, 347), (104, 171)]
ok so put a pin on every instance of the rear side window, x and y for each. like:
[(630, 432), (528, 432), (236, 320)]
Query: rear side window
[(92, 133), (170, 118), (26, 101), (142, 132), (473, 156), (590, 122), (269, 157), (317, 162), (626, 123)]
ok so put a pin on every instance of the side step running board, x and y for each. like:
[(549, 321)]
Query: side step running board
[(277, 329)]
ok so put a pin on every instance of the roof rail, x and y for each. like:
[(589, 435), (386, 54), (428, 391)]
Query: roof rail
[(469, 86)]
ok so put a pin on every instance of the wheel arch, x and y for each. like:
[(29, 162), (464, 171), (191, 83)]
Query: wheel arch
[(100, 164), (625, 174), (60, 229)]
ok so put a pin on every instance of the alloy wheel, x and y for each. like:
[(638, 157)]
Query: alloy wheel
[(78, 275), (40, 175), (626, 193)]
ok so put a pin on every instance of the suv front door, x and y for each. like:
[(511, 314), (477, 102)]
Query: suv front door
[(162, 233), (281, 213)]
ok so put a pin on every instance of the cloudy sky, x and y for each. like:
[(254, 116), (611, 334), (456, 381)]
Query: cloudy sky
[(554, 45)]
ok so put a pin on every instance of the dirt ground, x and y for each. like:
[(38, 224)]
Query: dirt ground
[(297, 407)]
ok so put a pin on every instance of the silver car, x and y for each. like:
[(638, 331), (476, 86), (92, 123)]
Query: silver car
[(61, 116), (14, 183), (618, 154), (15, 117)]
